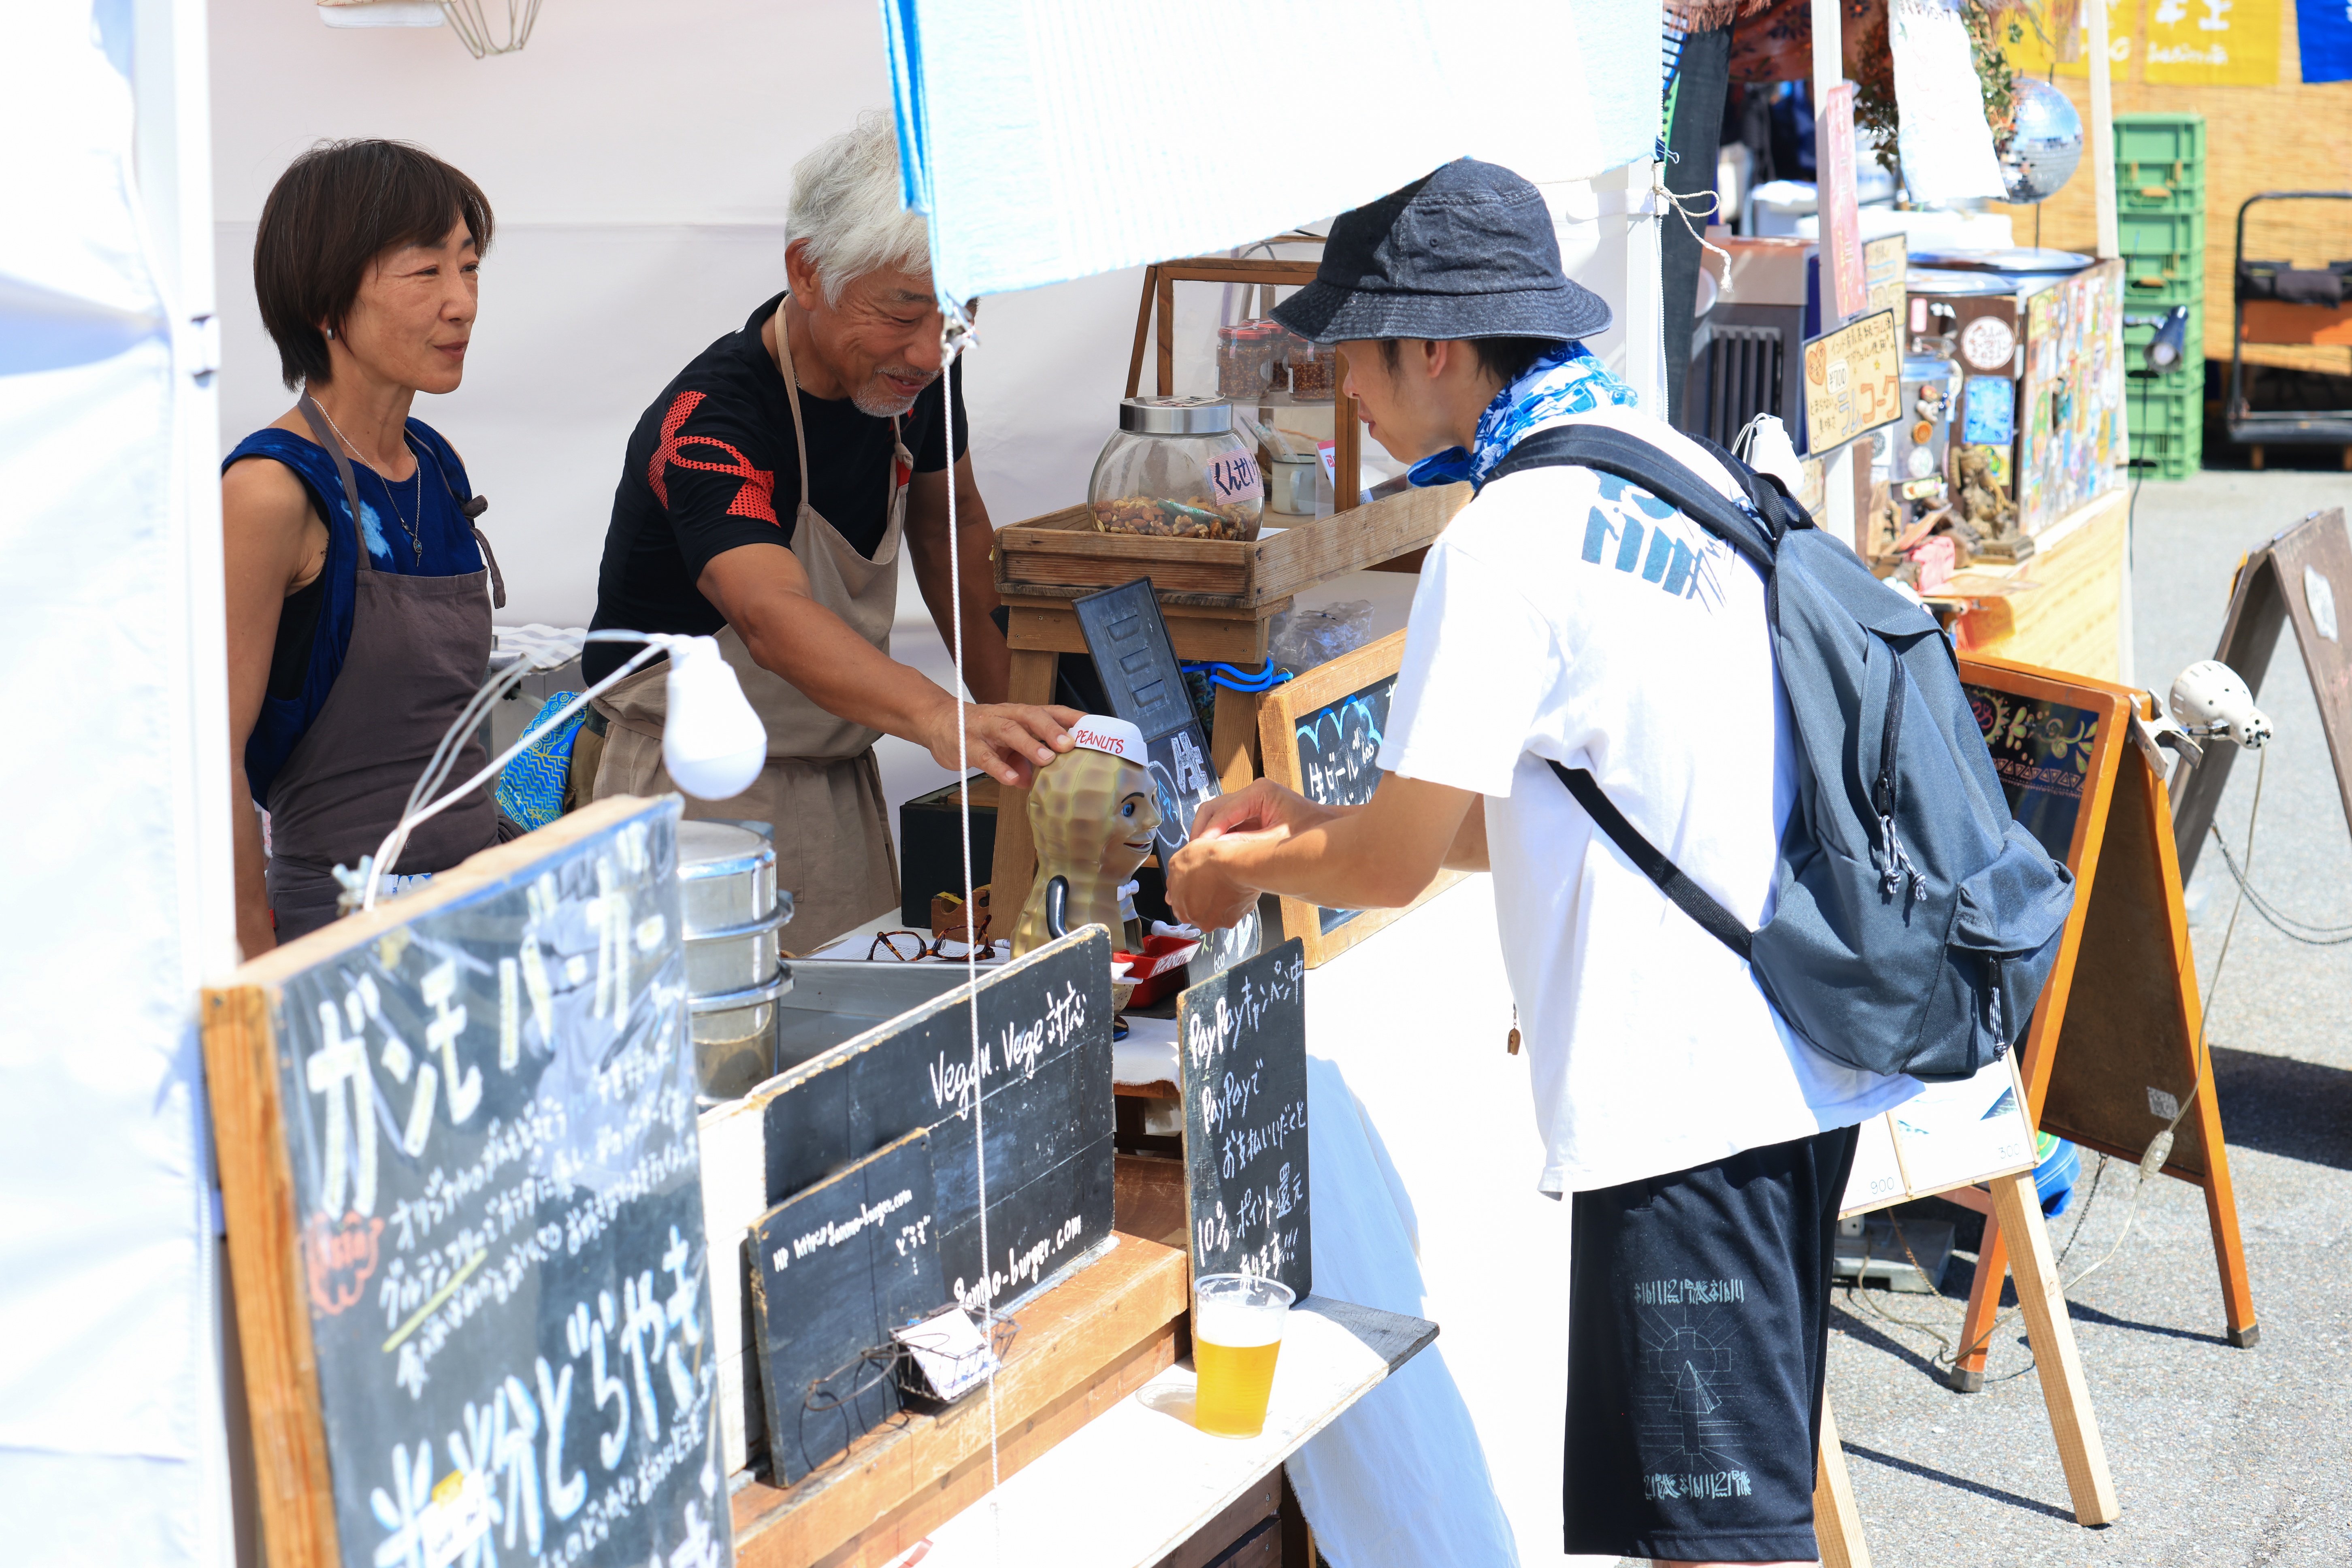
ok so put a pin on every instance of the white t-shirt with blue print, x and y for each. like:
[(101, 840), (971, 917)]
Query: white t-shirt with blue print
[(1565, 614)]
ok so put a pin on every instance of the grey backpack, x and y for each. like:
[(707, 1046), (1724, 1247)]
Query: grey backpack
[(1915, 922)]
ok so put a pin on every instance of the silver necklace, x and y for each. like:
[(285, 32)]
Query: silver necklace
[(416, 543)]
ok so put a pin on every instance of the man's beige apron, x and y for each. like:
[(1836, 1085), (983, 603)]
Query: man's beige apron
[(821, 787)]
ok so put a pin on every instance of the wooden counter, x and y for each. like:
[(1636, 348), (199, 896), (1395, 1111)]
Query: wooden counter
[(2073, 620), (1082, 1348)]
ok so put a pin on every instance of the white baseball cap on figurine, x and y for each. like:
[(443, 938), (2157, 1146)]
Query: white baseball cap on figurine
[(1119, 738)]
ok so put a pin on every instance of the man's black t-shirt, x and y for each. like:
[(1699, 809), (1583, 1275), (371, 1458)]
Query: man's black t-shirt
[(711, 466)]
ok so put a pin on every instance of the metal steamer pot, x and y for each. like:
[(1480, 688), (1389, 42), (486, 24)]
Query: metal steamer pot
[(734, 917)]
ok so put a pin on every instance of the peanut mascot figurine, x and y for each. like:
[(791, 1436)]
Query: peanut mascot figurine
[(1092, 813)]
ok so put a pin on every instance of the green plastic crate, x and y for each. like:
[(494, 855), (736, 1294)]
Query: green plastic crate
[(2160, 234), (2167, 457), (2152, 409), (2148, 191), (2153, 194), (2152, 139), (2151, 281)]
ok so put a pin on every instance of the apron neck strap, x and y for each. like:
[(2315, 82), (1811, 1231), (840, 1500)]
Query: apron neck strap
[(792, 392), (325, 435)]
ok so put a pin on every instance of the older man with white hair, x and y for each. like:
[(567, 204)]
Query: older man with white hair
[(763, 500)]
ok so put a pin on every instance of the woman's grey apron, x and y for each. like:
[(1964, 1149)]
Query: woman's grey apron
[(419, 649), (821, 789)]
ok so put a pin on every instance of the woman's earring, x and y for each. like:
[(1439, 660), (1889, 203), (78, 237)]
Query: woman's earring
[(330, 331)]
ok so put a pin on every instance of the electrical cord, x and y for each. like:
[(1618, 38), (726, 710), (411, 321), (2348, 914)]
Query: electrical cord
[(2292, 927), (1236, 680), (367, 880), (453, 740)]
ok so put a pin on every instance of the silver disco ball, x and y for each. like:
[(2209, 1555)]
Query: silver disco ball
[(2041, 153)]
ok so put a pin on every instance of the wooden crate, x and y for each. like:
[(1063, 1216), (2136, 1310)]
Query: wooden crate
[(1062, 556)]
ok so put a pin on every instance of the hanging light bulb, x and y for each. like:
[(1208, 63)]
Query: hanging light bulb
[(712, 742)]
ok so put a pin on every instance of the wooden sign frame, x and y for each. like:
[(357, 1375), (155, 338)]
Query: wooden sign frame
[(2271, 590), (1875, 366), (2125, 957), (272, 1262), (1278, 713)]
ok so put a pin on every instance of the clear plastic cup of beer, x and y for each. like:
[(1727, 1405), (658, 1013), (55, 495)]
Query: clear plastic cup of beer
[(1237, 1321)]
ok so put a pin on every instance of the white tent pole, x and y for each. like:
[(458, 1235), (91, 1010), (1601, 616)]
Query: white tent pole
[(173, 146), (1829, 70), (172, 151), (2102, 130)]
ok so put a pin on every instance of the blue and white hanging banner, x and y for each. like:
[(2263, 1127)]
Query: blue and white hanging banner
[(1049, 140)]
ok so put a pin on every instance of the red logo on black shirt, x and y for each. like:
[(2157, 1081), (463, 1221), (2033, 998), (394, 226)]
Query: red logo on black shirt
[(757, 497)]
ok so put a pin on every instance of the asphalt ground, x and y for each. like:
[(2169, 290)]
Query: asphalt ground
[(2220, 1456)]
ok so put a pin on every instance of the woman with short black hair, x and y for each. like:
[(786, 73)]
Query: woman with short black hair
[(359, 610)]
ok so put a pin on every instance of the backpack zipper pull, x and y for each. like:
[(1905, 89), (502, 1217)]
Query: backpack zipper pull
[(1897, 865)]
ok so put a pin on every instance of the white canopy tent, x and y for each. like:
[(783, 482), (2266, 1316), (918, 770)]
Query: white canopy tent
[(638, 159), (114, 892)]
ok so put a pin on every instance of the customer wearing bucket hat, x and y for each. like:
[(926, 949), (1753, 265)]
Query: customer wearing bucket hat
[(1569, 616)]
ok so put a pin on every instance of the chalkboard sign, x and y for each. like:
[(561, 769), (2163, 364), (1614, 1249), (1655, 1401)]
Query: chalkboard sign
[(1041, 1097), (1321, 736), (1241, 1039), (462, 1177), (1127, 638), (2041, 748), (838, 1267)]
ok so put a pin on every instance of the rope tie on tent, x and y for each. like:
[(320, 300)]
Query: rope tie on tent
[(1683, 206)]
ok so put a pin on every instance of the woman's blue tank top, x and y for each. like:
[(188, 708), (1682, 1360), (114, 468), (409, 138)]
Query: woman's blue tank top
[(444, 546)]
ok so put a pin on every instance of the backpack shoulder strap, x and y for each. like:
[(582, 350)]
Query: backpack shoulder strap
[(1687, 895), (1632, 458)]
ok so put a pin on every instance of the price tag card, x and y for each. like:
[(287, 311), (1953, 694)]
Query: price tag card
[(1234, 476), (950, 1350)]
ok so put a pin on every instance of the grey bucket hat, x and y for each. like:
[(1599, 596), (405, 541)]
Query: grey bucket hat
[(1465, 252)]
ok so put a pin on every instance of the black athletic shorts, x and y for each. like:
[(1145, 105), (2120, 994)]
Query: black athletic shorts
[(1698, 1316)]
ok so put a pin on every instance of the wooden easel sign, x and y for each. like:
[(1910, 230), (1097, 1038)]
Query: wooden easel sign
[(1947, 1139), (2303, 577), (2112, 1056), (1321, 736), (463, 1189)]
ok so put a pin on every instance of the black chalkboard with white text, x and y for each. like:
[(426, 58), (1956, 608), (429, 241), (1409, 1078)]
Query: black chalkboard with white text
[(1242, 1039), (1339, 751), (838, 1267), (482, 1101), (1039, 1094)]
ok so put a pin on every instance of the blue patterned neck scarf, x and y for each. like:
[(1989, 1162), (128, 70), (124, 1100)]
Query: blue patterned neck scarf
[(1567, 380)]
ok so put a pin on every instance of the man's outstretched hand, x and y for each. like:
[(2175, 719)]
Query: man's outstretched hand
[(1009, 741), (1261, 806), (1202, 886)]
